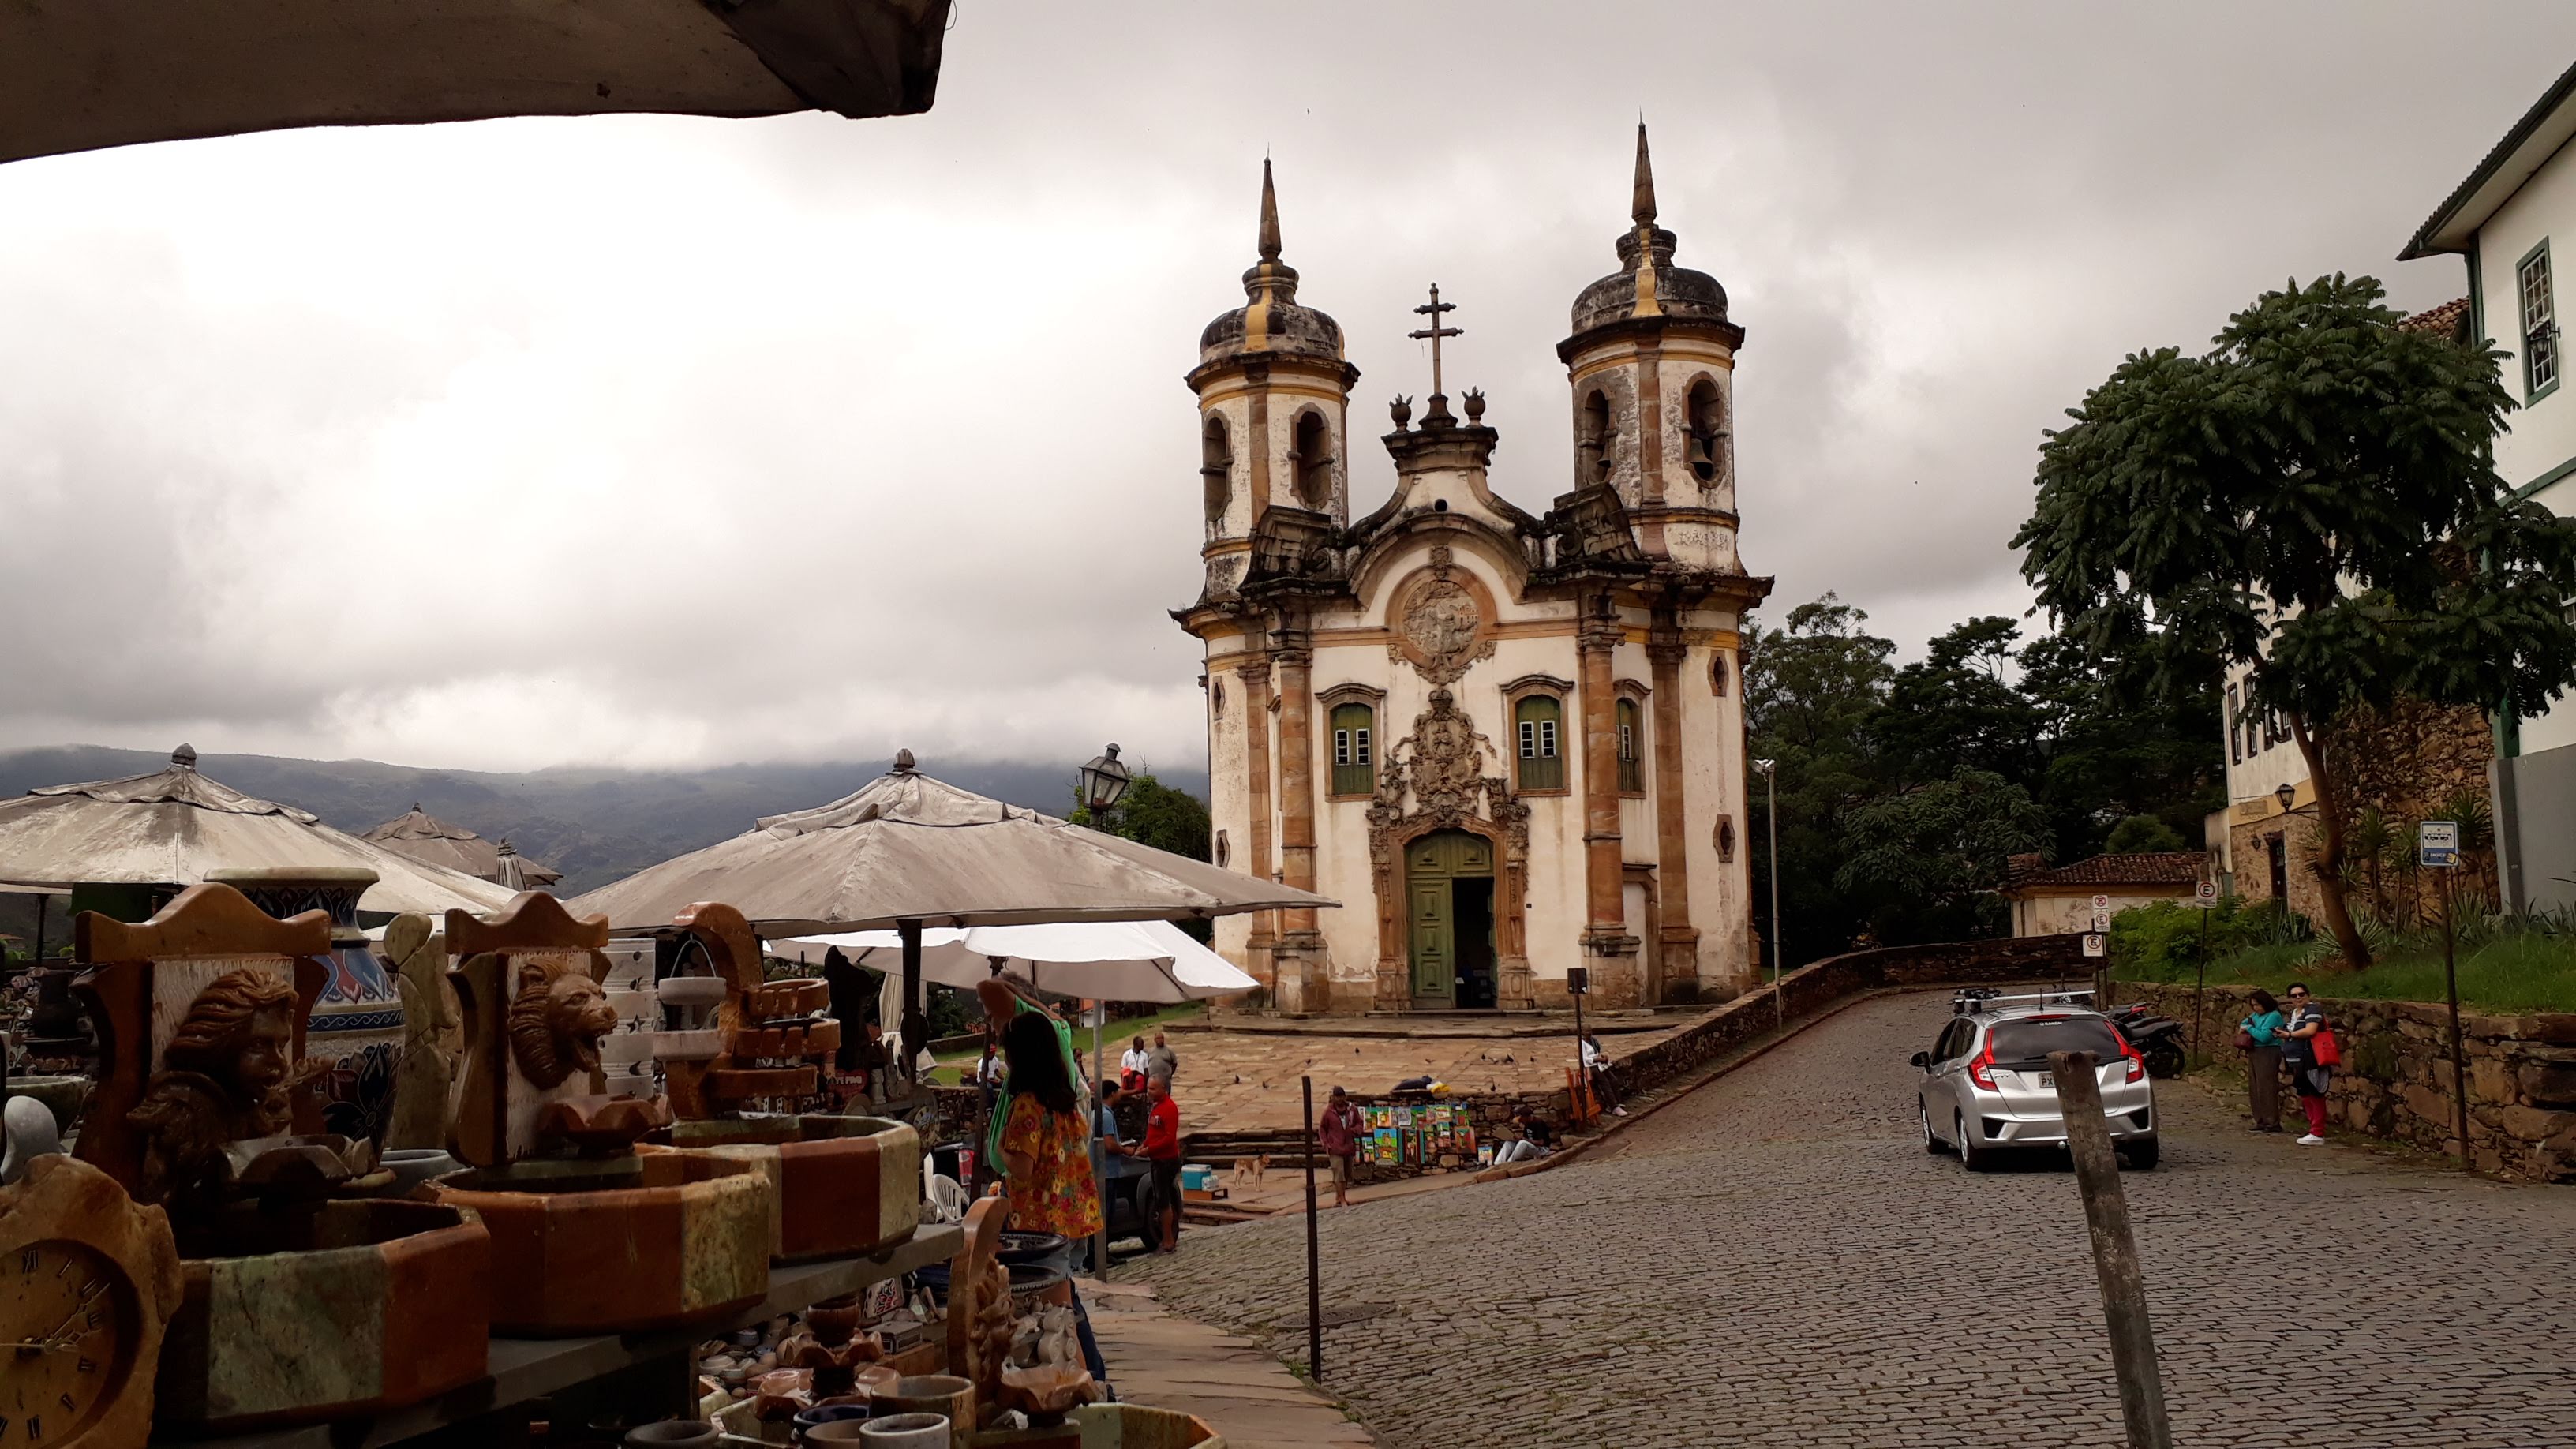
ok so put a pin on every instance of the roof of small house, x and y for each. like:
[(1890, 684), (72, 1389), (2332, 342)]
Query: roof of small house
[(2451, 319), (2508, 164), (2136, 868)]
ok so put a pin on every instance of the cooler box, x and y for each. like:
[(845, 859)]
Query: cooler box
[(1195, 1178)]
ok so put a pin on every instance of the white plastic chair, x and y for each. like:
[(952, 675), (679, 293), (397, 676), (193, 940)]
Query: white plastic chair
[(947, 1199)]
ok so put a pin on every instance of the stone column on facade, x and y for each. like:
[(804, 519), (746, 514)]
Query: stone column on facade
[(1608, 950), (1677, 938), (1255, 674), (1300, 952)]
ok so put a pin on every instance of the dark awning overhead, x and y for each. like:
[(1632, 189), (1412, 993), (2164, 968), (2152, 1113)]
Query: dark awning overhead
[(76, 75)]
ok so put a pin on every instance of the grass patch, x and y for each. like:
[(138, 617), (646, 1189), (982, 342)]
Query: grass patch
[(954, 1066), (2515, 971)]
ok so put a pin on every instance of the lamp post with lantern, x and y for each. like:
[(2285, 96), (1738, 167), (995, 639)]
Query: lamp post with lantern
[(1104, 783)]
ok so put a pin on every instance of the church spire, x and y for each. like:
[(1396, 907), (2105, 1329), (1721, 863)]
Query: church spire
[(1270, 215), (1641, 206)]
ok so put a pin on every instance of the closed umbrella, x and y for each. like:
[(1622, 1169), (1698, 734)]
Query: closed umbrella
[(172, 826)]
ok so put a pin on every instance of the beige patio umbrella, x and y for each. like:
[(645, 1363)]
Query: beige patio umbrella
[(76, 75), (424, 836), (172, 826), (908, 851)]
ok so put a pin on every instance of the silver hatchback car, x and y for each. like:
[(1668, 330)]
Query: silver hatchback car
[(1986, 1083)]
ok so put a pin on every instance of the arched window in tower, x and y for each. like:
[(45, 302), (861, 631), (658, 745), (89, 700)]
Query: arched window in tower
[(1632, 743), (1537, 721), (1726, 840), (1216, 698), (1216, 469), (1354, 749), (1592, 438), (1717, 675), (1311, 457), (1706, 419)]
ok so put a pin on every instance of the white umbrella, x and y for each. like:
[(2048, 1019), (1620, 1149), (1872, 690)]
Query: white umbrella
[(1103, 960)]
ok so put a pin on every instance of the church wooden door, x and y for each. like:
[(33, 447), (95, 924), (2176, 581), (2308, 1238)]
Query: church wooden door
[(1433, 866)]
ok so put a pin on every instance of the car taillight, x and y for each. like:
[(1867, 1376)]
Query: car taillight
[(2137, 1063), (1979, 1071)]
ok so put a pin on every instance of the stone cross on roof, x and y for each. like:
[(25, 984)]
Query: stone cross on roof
[(1439, 401)]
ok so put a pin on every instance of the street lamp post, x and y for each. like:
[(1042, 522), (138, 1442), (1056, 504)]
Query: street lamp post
[(1771, 789), (1104, 784)]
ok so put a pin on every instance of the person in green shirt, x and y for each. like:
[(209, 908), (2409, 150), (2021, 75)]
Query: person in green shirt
[(2262, 1029), (1003, 999)]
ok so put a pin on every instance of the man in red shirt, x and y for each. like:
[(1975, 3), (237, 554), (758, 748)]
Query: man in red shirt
[(1340, 1134), (1162, 1149)]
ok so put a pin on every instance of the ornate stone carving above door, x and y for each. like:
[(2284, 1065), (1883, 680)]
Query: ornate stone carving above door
[(1442, 620), (1434, 779)]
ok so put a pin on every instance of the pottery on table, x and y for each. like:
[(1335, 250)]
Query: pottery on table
[(841, 1185), (674, 1434), (946, 1395), (357, 1025), (352, 1307), (412, 1166), (62, 1096), (620, 1243), (901, 1431)]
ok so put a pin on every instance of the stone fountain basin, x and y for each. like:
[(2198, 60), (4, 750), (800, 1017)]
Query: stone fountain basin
[(616, 1244), (840, 1185), (312, 1312)]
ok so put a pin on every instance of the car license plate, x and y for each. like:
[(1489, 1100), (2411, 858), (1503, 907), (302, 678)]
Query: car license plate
[(2046, 1080)]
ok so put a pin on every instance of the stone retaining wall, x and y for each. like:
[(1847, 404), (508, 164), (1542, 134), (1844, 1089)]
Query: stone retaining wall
[(2395, 1081)]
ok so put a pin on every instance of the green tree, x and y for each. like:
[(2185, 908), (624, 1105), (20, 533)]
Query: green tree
[(1956, 708), (2313, 498), (1929, 859), (2138, 834), (1810, 690), (2116, 746), (1153, 813)]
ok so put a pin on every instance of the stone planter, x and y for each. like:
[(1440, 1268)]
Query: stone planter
[(1110, 1426), (840, 1185), (621, 1243), (297, 1315), (357, 1025)]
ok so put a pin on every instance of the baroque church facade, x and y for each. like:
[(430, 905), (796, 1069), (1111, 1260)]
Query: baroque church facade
[(1509, 743)]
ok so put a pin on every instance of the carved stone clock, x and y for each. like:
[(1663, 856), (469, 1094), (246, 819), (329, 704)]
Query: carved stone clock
[(88, 1281)]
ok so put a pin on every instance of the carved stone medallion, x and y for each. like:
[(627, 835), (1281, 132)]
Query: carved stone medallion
[(1441, 624)]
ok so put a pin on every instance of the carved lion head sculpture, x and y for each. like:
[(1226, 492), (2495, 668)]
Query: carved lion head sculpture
[(557, 1016)]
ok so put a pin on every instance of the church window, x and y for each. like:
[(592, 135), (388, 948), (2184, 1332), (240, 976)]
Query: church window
[(1224, 849), (1632, 769), (1592, 436), (1726, 841), (1311, 456), (1717, 675), (1536, 720), (1354, 749), (1216, 469), (1216, 698), (2539, 324), (1706, 419)]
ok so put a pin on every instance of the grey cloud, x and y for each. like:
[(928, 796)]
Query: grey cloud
[(660, 441)]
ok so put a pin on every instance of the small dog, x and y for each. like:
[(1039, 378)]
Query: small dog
[(1250, 1171)]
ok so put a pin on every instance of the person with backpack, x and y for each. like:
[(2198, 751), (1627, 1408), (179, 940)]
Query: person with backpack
[(2309, 1050)]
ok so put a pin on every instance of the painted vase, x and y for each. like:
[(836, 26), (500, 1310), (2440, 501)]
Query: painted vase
[(357, 1024)]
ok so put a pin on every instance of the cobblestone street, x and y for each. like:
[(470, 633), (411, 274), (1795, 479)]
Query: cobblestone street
[(1775, 1260)]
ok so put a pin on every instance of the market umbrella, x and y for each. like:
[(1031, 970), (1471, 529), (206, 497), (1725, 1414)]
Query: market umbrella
[(908, 848), (912, 852), (516, 873), (76, 75), (172, 826), (424, 836), (1103, 960)]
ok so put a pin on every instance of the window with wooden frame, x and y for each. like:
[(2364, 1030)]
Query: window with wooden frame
[(1354, 749), (2539, 323), (2235, 737), (1632, 745), (1538, 722)]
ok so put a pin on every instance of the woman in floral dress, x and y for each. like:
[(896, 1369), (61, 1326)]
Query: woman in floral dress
[(1046, 1156)]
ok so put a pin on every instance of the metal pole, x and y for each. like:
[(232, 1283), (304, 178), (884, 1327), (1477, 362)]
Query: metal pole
[(1314, 1253), (2115, 1251), (40, 933), (1779, 963), (2200, 990), (2459, 1066), (915, 1024)]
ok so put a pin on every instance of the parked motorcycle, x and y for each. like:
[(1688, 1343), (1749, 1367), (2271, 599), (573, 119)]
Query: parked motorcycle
[(2158, 1038)]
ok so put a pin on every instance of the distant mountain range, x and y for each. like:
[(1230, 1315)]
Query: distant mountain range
[(594, 825)]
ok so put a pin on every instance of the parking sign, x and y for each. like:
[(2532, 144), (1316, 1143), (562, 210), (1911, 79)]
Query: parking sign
[(2437, 842), (2101, 918), (2207, 895), (2093, 945)]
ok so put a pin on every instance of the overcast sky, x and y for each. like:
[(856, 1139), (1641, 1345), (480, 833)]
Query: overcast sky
[(663, 441)]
